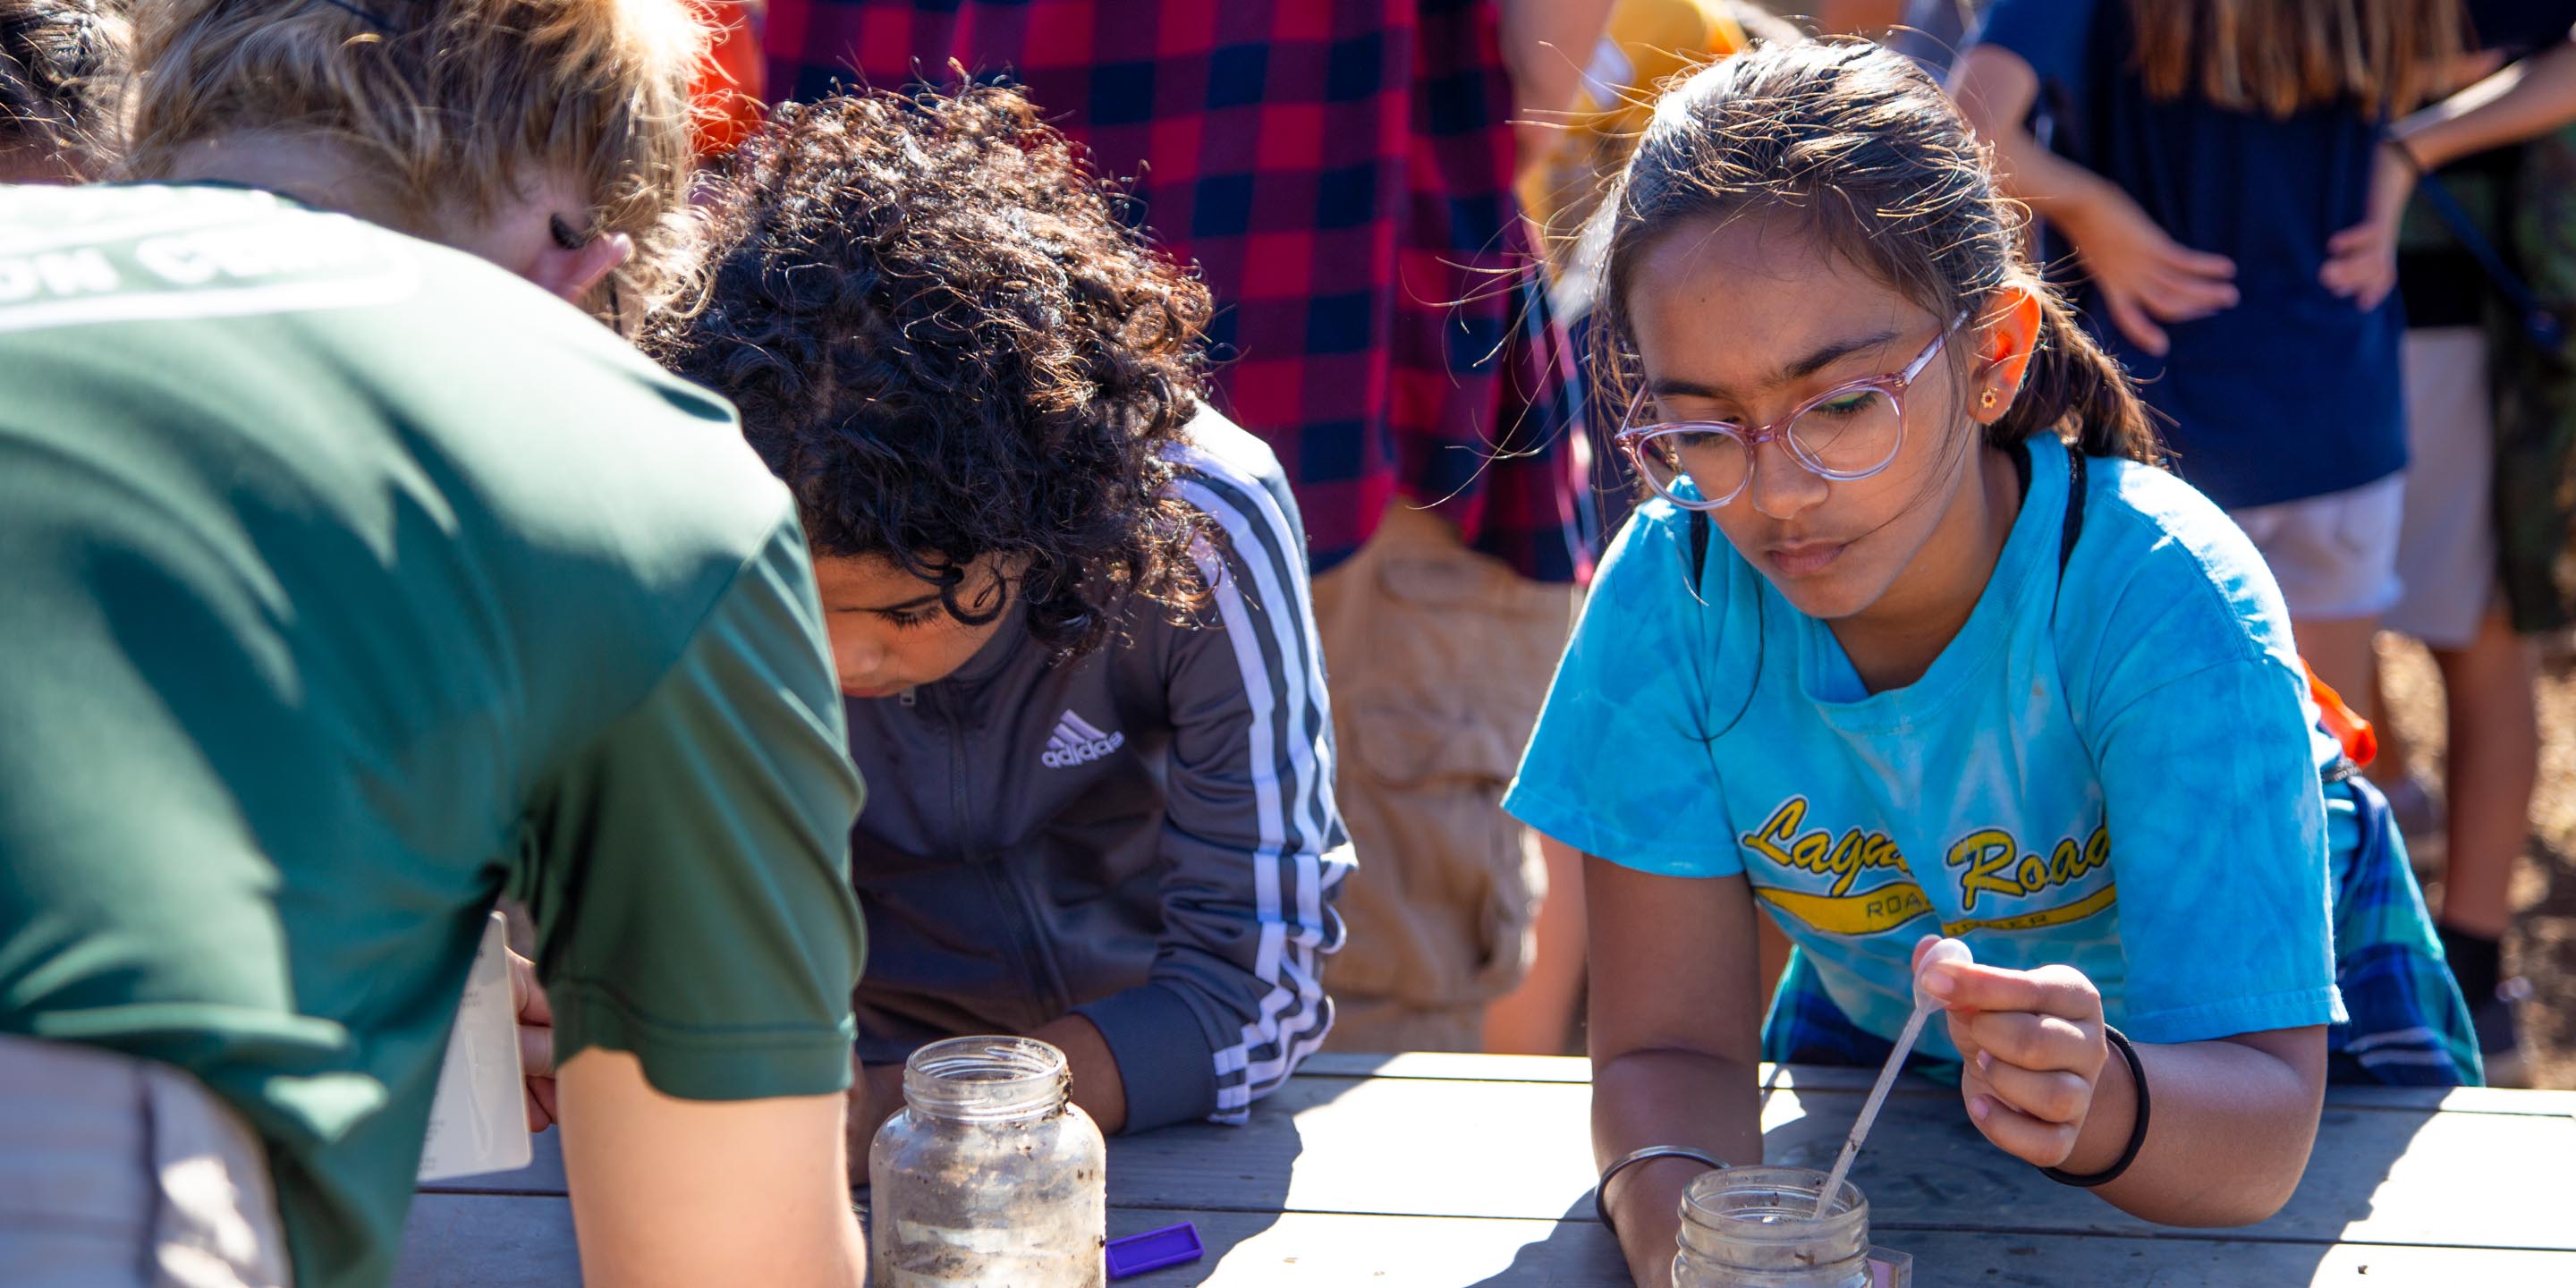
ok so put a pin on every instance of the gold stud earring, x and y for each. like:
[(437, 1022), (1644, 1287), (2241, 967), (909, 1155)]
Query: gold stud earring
[(1986, 399)]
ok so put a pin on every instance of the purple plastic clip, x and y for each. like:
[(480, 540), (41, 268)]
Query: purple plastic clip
[(1170, 1246)]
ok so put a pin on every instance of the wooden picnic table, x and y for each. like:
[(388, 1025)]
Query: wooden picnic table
[(1445, 1171)]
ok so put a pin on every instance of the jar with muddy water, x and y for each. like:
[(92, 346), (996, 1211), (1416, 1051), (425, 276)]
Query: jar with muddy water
[(989, 1175), (1757, 1227)]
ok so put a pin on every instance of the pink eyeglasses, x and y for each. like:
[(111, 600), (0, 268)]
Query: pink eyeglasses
[(1850, 433)]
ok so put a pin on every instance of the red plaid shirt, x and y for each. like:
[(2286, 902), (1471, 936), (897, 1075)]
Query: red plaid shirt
[(1341, 173)]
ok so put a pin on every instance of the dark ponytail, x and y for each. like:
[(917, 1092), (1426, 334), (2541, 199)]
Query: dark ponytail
[(2077, 392), (1869, 155)]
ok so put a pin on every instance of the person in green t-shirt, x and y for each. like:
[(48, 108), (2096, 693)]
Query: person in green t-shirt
[(349, 583)]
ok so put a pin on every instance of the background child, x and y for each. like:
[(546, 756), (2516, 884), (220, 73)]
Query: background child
[(2203, 156), (1913, 640), (2459, 337), (1068, 603)]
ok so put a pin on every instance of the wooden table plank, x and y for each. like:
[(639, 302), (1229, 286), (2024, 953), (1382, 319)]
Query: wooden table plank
[(520, 1241), (2376, 1176), (508, 1241), (1957, 1259), (1522, 1151), (1464, 1169), (488, 1241), (1449, 1066)]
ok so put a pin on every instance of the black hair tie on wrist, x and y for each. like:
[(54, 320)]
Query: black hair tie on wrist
[(2137, 1132), (1601, 1188)]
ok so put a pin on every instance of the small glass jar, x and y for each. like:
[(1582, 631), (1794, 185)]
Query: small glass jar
[(1756, 1227), (988, 1175)]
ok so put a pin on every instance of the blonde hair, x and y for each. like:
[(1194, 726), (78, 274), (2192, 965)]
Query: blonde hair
[(2278, 56), (455, 106)]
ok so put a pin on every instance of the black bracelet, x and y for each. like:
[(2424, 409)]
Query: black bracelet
[(2137, 1132), (1601, 1188)]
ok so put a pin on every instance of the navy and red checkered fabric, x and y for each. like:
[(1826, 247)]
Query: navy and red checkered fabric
[(1340, 171)]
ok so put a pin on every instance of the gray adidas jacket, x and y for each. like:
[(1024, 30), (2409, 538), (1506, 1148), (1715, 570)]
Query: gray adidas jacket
[(1146, 835)]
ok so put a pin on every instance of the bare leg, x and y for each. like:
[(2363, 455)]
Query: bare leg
[(1537, 1017), (2393, 763), (2339, 650), (2493, 765)]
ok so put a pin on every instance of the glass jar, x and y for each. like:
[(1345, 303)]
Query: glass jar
[(1756, 1227), (988, 1175)]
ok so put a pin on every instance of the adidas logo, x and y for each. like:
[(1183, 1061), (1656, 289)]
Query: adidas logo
[(1077, 742)]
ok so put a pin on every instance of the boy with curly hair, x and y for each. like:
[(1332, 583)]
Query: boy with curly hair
[(1068, 604), (62, 74)]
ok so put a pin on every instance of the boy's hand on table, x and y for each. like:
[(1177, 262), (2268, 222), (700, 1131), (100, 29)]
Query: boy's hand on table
[(1097, 1086), (536, 1043), (2034, 1057), (876, 1091)]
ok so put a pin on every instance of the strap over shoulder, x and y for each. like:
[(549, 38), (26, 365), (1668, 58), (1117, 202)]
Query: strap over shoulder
[(2074, 522)]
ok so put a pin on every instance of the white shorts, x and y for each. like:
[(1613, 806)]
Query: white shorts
[(117, 1172), (2446, 548), (2335, 556)]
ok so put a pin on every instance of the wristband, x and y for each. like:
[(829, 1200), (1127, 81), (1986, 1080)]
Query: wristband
[(1600, 1188), (2137, 1131)]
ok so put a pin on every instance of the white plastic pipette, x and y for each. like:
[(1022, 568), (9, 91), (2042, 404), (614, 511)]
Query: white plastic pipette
[(1947, 950)]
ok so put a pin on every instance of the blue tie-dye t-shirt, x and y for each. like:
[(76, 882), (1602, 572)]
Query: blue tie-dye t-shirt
[(2118, 773)]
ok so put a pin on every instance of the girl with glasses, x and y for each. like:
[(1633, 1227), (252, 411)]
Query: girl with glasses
[(1915, 638)]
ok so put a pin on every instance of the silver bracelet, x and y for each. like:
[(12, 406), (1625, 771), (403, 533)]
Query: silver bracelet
[(1601, 1188)]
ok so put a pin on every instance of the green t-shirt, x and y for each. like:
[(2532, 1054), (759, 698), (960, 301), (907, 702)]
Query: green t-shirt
[(347, 584)]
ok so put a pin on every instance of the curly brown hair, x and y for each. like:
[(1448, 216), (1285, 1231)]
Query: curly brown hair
[(62, 74), (944, 339)]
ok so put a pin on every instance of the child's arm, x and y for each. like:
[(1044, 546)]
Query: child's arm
[(2043, 1084), (1547, 44), (671, 1191), (2145, 276), (1866, 18), (2525, 100), (1097, 1087), (876, 1090), (1253, 850), (1676, 1020)]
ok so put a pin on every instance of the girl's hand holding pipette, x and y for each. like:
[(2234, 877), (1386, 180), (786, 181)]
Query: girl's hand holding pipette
[(2036, 1062)]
